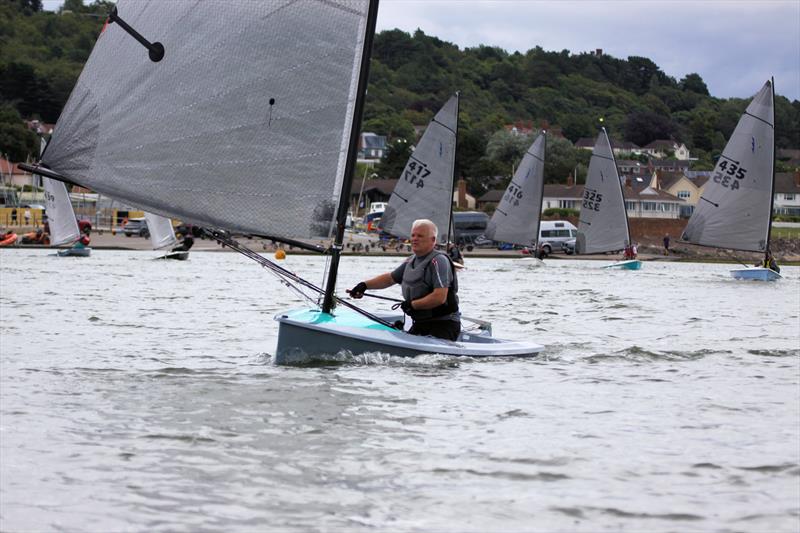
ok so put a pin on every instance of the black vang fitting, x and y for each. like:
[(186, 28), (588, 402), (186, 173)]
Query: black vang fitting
[(156, 49)]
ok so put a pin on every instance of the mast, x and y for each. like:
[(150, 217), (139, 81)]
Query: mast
[(621, 189), (541, 192), (450, 223), (355, 131), (772, 189)]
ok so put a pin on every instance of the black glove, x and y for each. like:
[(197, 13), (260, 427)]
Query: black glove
[(407, 309), (359, 290)]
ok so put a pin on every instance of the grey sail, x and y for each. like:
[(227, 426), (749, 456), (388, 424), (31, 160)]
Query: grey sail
[(244, 124), (603, 225), (425, 188), (516, 219), (734, 210)]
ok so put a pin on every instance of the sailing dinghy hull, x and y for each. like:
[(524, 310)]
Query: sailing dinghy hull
[(309, 333), (632, 264), (75, 252), (755, 274), (177, 256)]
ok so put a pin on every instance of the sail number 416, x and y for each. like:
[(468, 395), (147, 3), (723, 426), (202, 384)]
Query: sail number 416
[(729, 175)]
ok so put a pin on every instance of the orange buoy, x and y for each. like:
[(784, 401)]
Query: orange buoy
[(280, 254)]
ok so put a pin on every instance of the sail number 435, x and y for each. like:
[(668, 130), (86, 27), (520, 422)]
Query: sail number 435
[(729, 175)]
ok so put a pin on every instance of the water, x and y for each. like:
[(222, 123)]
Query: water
[(140, 395)]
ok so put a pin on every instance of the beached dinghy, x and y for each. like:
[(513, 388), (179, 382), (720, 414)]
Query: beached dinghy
[(735, 210), (603, 225), (290, 183)]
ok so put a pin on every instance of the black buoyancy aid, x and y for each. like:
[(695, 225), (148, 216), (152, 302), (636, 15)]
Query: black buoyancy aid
[(415, 287)]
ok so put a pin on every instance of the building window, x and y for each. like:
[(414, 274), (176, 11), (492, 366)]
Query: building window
[(684, 194), (788, 196)]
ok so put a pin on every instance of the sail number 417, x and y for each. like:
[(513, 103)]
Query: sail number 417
[(415, 173), (729, 175)]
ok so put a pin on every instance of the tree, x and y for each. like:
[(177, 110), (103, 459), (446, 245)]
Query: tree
[(15, 138), (644, 127), (395, 159), (694, 83)]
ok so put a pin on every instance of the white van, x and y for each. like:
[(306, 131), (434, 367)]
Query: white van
[(553, 234)]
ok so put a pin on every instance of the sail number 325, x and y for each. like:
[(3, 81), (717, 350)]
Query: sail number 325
[(729, 175), (592, 199)]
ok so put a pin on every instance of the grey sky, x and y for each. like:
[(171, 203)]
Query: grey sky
[(735, 45)]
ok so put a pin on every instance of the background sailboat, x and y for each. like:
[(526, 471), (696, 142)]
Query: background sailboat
[(603, 225), (162, 235), (735, 210), (61, 220), (516, 218), (425, 188)]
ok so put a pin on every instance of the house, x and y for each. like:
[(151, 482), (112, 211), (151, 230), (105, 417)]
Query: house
[(364, 192), (787, 194), (371, 147), (632, 167), (13, 175), (642, 199), (669, 165), (618, 147), (680, 186), (661, 148), (490, 198)]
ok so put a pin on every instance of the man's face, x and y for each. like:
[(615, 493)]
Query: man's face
[(422, 240)]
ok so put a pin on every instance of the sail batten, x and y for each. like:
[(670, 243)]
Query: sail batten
[(516, 218), (603, 223), (244, 124), (737, 206)]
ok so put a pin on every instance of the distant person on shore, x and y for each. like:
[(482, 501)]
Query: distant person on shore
[(27, 217), (666, 244), (13, 217), (769, 262), (429, 284)]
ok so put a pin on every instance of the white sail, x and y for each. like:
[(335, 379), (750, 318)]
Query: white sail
[(734, 210), (603, 225), (425, 188), (161, 232), (516, 219), (60, 216), (243, 125)]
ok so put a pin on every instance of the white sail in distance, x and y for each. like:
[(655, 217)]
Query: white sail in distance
[(516, 218), (61, 219), (161, 232), (243, 125), (734, 210), (603, 225), (425, 188)]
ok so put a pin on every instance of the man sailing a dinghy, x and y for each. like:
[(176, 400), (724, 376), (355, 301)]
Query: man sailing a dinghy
[(429, 285)]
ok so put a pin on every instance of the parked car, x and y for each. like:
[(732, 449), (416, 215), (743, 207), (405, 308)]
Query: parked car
[(553, 234), (569, 246), (136, 226)]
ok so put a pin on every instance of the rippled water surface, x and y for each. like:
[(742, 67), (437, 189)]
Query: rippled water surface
[(140, 395)]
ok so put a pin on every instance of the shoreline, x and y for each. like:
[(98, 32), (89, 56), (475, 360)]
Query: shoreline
[(107, 241)]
